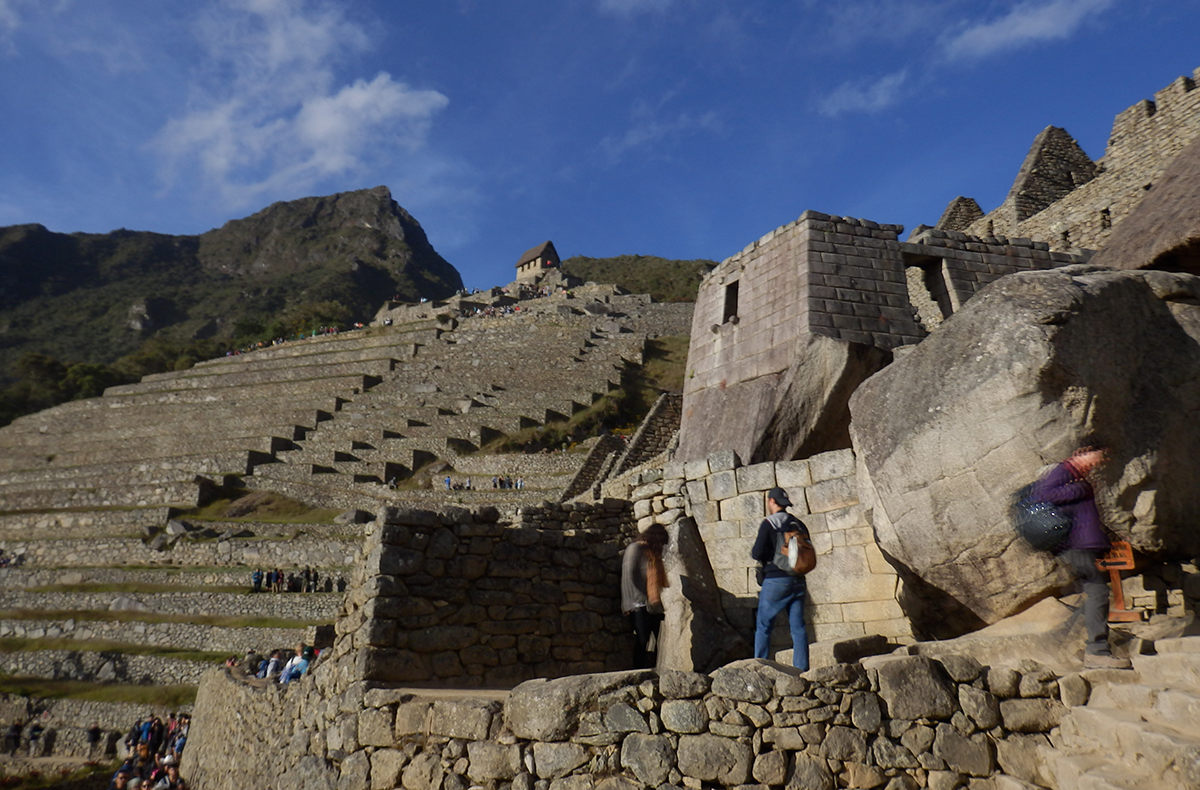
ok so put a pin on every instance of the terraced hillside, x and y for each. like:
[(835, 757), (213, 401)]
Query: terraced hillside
[(106, 587)]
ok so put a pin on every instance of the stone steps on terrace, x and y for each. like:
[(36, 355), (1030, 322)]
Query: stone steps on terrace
[(151, 448), (246, 363), (1138, 729), (319, 606), (310, 372), (117, 415), (117, 552), (89, 666), (22, 578), (182, 493), (152, 428), (205, 458), (394, 337), (181, 636), (140, 470), (81, 523)]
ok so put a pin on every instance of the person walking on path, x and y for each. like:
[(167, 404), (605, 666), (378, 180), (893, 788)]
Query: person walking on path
[(779, 589), (643, 578), (1067, 486)]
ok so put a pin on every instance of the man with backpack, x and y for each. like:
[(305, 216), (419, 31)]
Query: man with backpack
[(784, 553)]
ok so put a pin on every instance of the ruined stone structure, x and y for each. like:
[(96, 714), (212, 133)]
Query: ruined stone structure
[(1063, 198), (763, 317), (903, 721)]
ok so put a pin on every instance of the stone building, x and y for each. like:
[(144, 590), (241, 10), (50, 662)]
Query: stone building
[(787, 328), (1062, 197), (536, 260)]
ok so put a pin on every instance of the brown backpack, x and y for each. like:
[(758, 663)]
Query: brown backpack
[(794, 551)]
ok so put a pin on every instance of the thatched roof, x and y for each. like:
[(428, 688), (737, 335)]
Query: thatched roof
[(1164, 231), (546, 248)]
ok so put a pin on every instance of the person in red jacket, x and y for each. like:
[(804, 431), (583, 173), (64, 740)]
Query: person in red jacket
[(1068, 487)]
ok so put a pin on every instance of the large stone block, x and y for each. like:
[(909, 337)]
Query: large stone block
[(466, 719), (831, 495), (756, 477), (554, 760), (490, 761), (650, 757), (744, 507), (722, 485), (1032, 366), (713, 758), (549, 710), (914, 687), (792, 476)]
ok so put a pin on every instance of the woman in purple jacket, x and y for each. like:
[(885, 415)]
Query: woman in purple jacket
[(1068, 487)]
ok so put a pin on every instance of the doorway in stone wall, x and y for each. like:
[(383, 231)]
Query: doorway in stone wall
[(929, 291)]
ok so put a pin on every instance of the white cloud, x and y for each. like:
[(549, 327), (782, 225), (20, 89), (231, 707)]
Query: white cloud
[(267, 116), (631, 7), (865, 96), (1027, 23), (649, 129)]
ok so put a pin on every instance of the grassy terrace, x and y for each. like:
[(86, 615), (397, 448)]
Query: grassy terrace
[(138, 587), (156, 617), (169, 696), (19, 645)]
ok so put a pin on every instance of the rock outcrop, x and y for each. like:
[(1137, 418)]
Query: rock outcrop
[(1164, 231), (1027, 370)]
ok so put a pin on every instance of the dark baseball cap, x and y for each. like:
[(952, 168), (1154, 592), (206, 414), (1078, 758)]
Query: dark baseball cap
[(780, 496)]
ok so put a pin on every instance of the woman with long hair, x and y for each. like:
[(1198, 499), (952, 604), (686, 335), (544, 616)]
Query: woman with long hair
[(643, 578)]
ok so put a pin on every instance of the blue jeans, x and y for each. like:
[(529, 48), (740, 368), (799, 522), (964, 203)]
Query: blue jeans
[(779, 593)]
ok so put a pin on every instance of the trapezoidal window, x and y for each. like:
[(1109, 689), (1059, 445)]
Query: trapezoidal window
[(731, 303), (928, 291)]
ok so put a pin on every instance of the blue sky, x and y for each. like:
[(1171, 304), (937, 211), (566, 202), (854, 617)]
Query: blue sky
[(680, 128)]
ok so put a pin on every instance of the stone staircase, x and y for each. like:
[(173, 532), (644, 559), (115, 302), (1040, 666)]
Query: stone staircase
[(480, 380), (1140, 730)]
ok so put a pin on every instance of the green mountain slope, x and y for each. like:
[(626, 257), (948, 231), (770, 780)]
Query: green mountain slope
[(665, 280), (96, 297)]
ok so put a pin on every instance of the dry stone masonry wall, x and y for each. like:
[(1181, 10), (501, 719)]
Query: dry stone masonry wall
[(1144, 139), (460, 599), (899, 723), (853, 590)]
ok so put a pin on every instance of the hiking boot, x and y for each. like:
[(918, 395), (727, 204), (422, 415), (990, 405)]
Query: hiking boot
[(1105, 662)]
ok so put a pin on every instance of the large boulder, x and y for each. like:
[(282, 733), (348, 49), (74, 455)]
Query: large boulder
[(694, 636), (780, 417), (1028, 369)]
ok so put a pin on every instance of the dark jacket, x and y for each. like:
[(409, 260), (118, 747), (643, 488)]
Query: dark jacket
[(1075, 497), (764, 544)]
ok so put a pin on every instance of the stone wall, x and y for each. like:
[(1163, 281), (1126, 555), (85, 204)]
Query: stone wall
[(457, 598), (293, 606), (116, 552), (1144, 140), (853, 590), (182, 636), (102, 667), (69, 719), (901, 721)]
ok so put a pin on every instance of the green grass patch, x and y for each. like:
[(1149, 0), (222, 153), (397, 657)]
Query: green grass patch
[(90, 776), (245, 506), (93, 615), (168, 696), (24, 645)]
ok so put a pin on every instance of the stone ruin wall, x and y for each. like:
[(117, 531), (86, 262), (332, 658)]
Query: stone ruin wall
[(853, 590), (901, 721), (837, 277), (458, 598), (1144, 139)]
